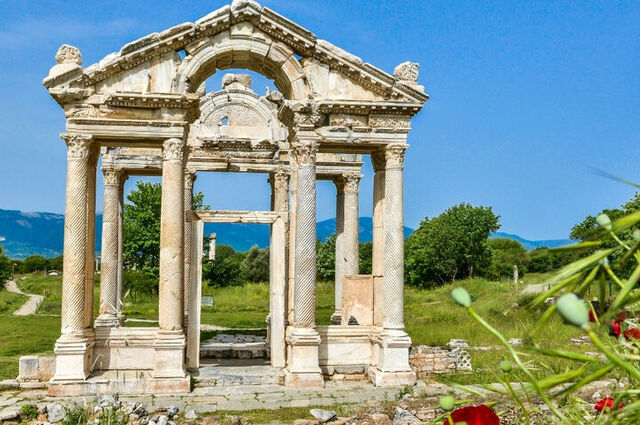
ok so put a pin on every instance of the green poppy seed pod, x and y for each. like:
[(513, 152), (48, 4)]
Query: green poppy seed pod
[(636, 235), (447, 403), (461, 297), (573, 309), (604, 221), (506, 366)]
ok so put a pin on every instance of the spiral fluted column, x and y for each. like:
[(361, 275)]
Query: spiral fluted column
[(110, 246), (394, 238), (73, 348), (172, 237), (336, 317), (303, 368), (392, 343), (170, 341), (305, 268), (189, 179), (351, 240), (119, 303)]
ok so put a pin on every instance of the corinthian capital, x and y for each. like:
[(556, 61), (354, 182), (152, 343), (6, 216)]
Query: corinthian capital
[(78, 145), (351, 182), (305, 152), (378, 161), (172, 149), (394, 154), (281, 180), (112, 176), (189, 178)]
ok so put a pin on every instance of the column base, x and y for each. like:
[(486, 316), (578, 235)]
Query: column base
[(107, 321), (169, 359), (303, 370), (74, 353), (336, 318), (121, 319), (390, 365)]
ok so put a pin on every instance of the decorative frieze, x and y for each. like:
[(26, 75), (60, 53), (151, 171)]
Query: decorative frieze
[(389, 121)]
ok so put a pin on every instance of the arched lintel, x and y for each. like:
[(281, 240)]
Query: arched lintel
[(237, 49)]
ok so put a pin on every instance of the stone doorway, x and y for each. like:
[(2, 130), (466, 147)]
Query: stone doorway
[(277, 289)]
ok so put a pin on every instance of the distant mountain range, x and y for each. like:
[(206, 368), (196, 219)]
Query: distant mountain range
[(550, 243), (40, 233)]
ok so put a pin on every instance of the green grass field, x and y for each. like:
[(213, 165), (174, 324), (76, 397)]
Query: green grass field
[(431, 318)]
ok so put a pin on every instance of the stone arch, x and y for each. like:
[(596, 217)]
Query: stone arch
[(246, 47)]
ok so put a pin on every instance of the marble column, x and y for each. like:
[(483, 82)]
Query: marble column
[(170, 341), (74, 347), (189, 178), (393, 362), (378, 162), (121, 317), (90, 233), (110, 246), (277, 270), (303, 368), (336, 317)]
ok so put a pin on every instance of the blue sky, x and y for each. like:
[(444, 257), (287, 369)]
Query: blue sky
[(525, 98)]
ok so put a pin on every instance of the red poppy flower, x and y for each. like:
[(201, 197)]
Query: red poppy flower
[(592, 316), (615, 328), (606, 403), (474, 415), (632, 333)]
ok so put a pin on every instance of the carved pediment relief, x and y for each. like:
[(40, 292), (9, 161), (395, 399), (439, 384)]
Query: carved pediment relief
[(242, 35)]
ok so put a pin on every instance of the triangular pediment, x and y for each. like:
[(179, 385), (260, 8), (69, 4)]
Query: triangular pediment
[(240, 35)]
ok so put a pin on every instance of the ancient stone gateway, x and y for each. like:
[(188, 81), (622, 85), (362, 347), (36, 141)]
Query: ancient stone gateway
[(145, 112)]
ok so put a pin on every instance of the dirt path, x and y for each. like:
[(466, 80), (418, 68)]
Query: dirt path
[(32, 303)]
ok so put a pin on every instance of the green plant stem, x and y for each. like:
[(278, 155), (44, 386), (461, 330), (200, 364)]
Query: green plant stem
[(610, 354), (521, 366), (450, 418), (515, 396)]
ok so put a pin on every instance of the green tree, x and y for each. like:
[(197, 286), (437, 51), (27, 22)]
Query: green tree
[(366, 257), (326, 259), (505, 253), (450, 246), (226, 269), (588, 230), (142, 226), (255, 267), (6, 267), (34, 263)]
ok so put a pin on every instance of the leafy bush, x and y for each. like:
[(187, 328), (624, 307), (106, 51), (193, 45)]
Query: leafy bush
[(505, 253), (28, 412), (135, 283)]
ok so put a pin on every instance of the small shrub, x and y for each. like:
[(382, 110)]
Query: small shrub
[(76, 415), (28, 412)]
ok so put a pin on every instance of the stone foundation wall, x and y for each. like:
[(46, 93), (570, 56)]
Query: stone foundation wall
[(344, 373), (425, 360)]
